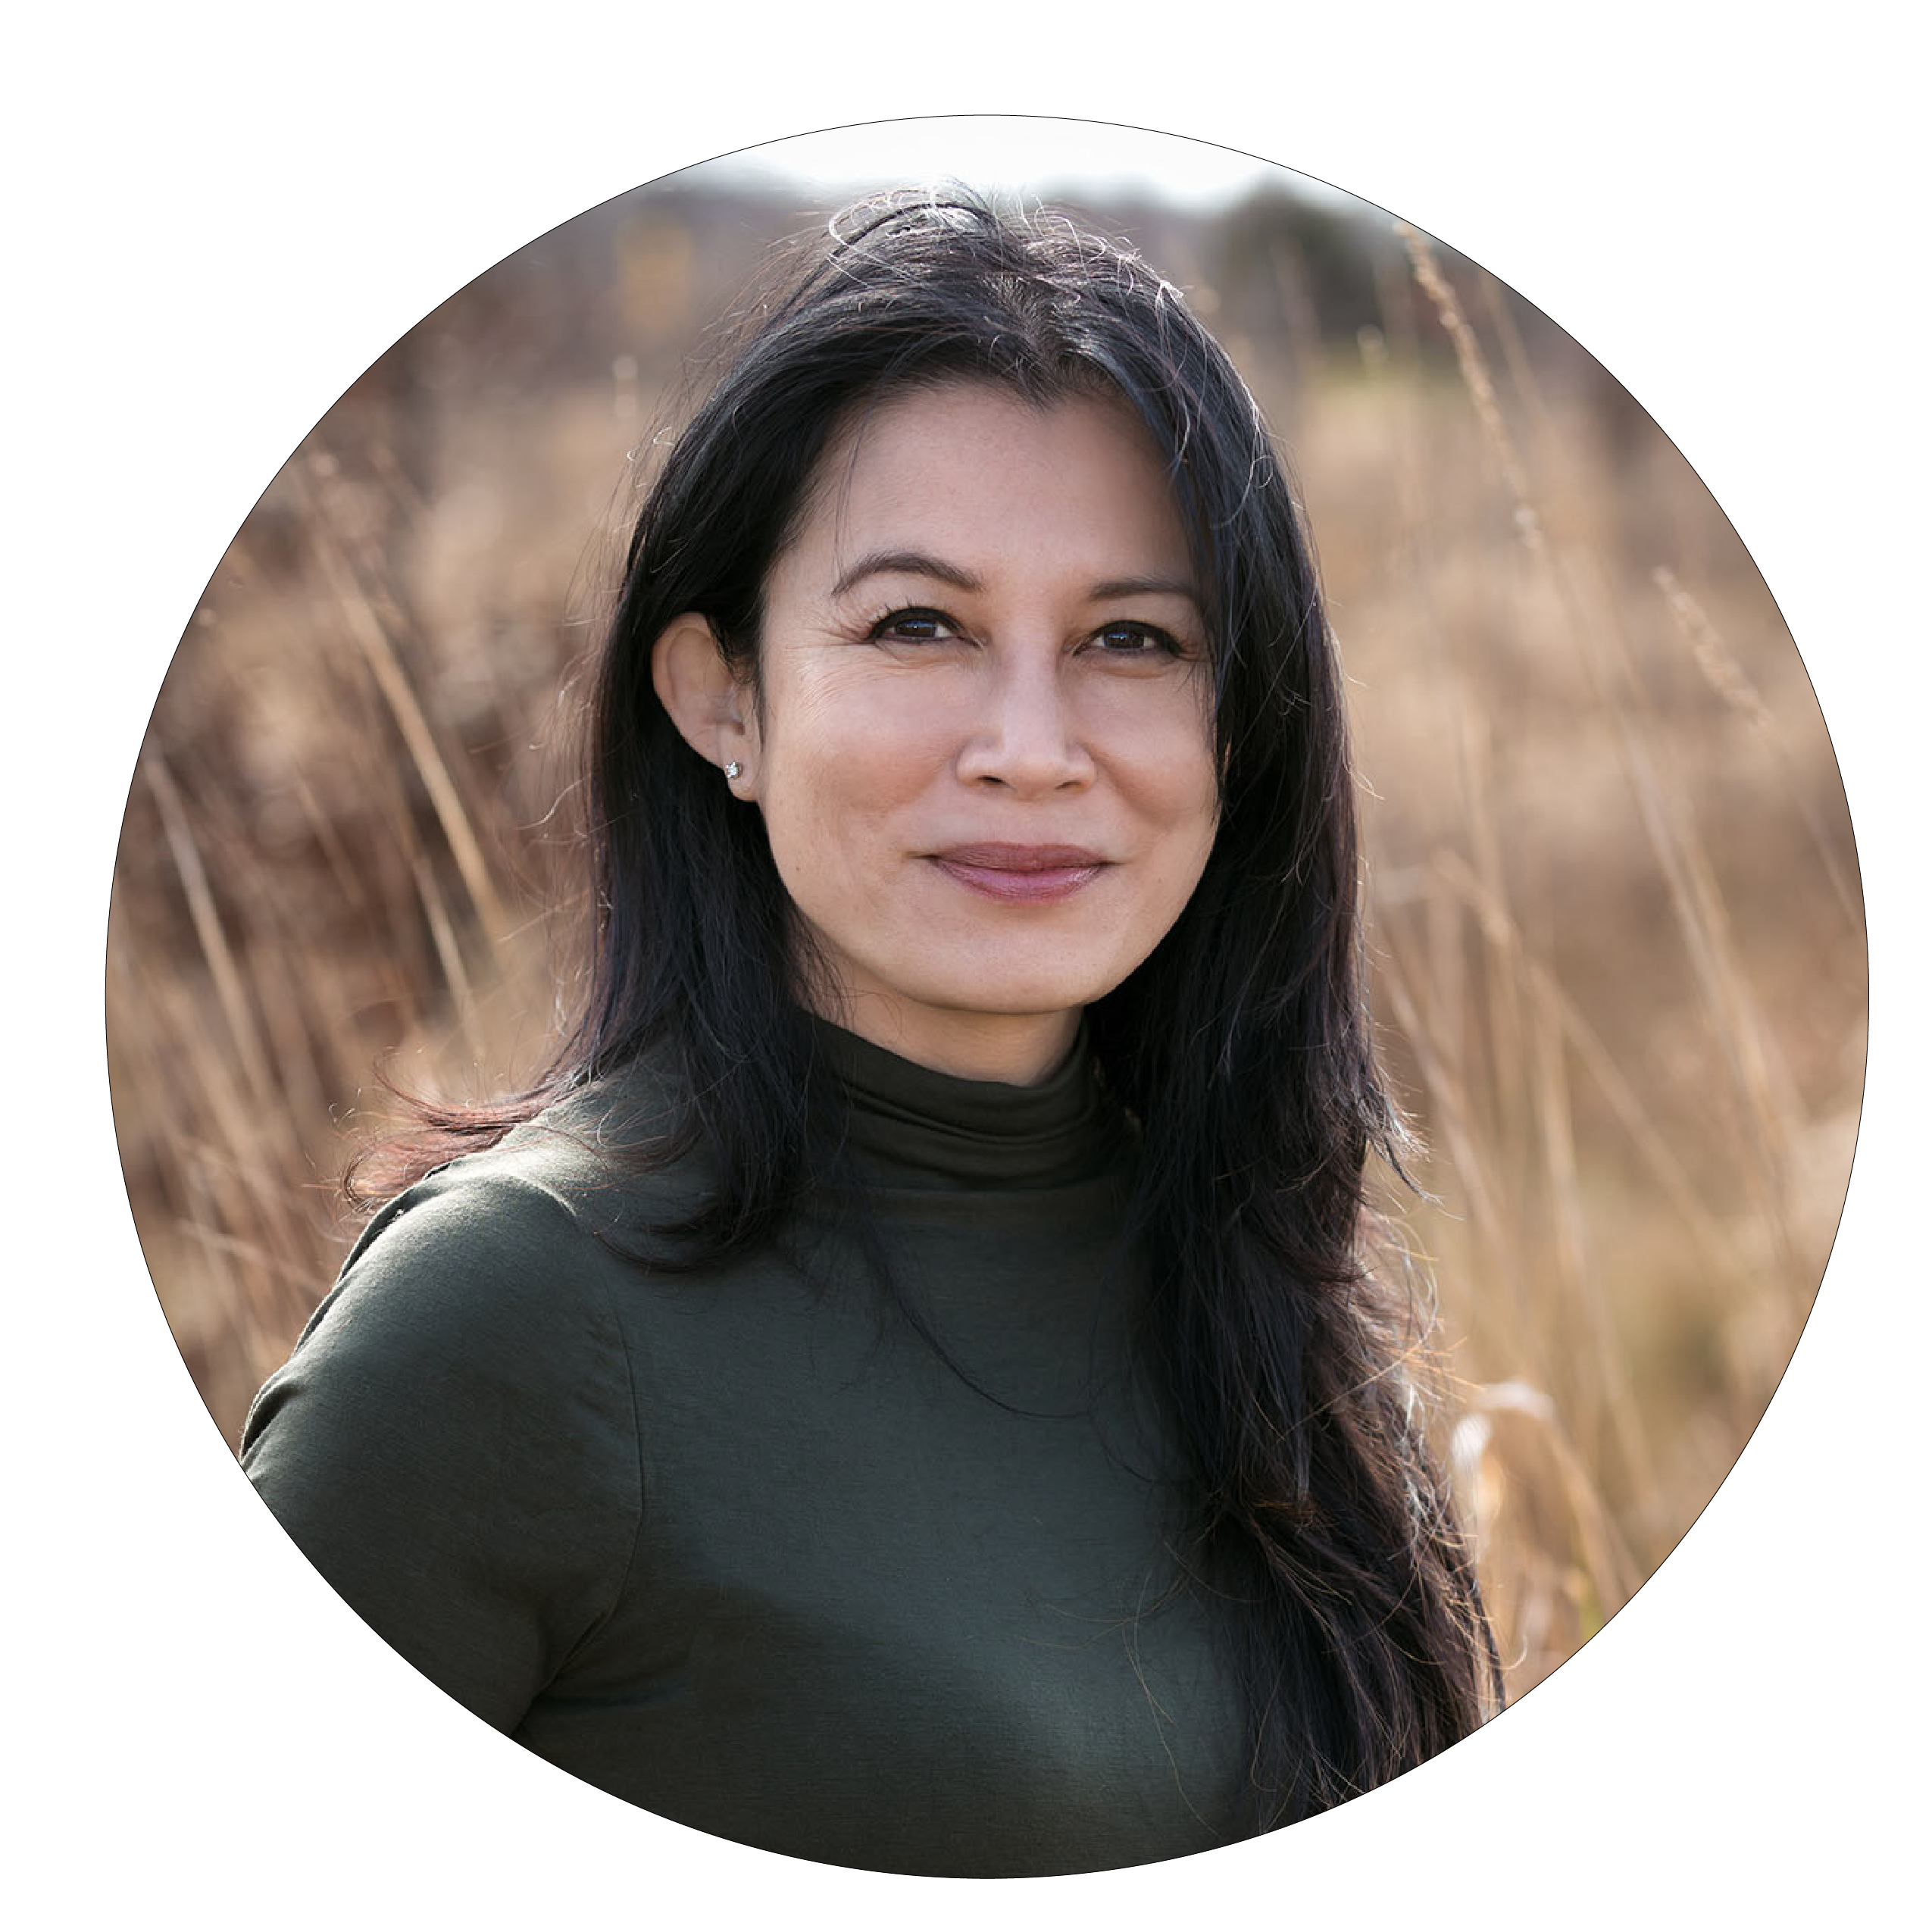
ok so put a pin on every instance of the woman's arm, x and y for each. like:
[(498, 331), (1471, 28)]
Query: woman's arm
[(453, 1444)]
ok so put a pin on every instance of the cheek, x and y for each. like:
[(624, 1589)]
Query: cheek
[(831, 781), (854, 738), (1189, 811), (1173, 770)]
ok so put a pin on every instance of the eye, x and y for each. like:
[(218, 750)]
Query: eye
[(912, 627), (1127, 639)]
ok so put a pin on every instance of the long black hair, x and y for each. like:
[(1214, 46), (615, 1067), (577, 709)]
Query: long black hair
[(1321, 1523)]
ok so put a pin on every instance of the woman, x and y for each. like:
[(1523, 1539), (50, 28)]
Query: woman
[(905, 1389)]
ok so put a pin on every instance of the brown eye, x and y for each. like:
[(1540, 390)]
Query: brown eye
[(1135, 640), (911, 627)]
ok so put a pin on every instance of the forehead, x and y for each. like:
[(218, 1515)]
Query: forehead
[(989, 476)]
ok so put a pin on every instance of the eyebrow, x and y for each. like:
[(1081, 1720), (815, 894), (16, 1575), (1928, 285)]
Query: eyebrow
[(918, 563)]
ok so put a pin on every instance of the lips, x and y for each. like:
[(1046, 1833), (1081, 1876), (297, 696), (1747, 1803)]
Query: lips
[(1021, 875), (1021, 858)]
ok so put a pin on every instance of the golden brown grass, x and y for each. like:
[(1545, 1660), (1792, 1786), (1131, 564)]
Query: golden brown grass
[(1618, 933)]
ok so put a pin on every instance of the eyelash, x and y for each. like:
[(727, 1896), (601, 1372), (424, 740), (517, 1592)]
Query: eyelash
[(881, 631)]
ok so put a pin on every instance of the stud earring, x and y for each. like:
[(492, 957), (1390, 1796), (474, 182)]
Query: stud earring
[(734, 770)]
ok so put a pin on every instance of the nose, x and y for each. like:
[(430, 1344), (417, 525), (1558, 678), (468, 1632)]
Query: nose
[(1026, 738)]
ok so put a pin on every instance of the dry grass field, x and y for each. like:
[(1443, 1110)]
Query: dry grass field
[(1615, 909)]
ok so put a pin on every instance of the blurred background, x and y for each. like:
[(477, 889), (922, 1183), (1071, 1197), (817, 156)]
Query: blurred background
[(1615, 916)]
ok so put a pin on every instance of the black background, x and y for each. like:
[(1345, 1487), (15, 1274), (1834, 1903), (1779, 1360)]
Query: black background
[(174, 1666)]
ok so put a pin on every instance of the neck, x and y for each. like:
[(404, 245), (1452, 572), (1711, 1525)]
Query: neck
[(1018, 1049)]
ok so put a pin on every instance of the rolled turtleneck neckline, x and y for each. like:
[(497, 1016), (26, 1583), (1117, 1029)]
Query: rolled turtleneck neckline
[(912, 1125)]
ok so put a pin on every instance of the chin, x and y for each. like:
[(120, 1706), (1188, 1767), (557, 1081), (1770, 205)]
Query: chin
[(1019, 995)]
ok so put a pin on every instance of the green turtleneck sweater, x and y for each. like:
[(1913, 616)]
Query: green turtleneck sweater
[(738, 1546)]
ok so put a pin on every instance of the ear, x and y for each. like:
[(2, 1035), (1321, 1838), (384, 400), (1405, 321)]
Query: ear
[(710, 708)]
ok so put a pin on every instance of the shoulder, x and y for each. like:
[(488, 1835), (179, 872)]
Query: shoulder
[(537, 1221), (503, 1269), (454, 1442), (470, 1300), (497, 1267)]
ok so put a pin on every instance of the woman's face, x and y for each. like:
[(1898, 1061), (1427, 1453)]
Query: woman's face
[(981, 739)]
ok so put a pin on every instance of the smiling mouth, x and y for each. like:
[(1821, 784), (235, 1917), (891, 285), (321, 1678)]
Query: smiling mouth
[(1021, 875)]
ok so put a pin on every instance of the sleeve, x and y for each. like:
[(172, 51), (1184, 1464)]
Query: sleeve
[(453, 1444)]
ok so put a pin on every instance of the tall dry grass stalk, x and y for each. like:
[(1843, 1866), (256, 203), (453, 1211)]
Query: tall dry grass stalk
[(1617, 931), (1581, 1475)]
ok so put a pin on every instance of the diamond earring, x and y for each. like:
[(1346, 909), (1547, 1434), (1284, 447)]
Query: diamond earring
[(734, 770)]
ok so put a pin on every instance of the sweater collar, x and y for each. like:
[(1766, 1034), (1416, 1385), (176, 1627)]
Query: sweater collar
[(912, 1126)]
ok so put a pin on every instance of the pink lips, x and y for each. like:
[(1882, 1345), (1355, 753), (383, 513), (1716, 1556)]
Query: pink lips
[(1021, 875)]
